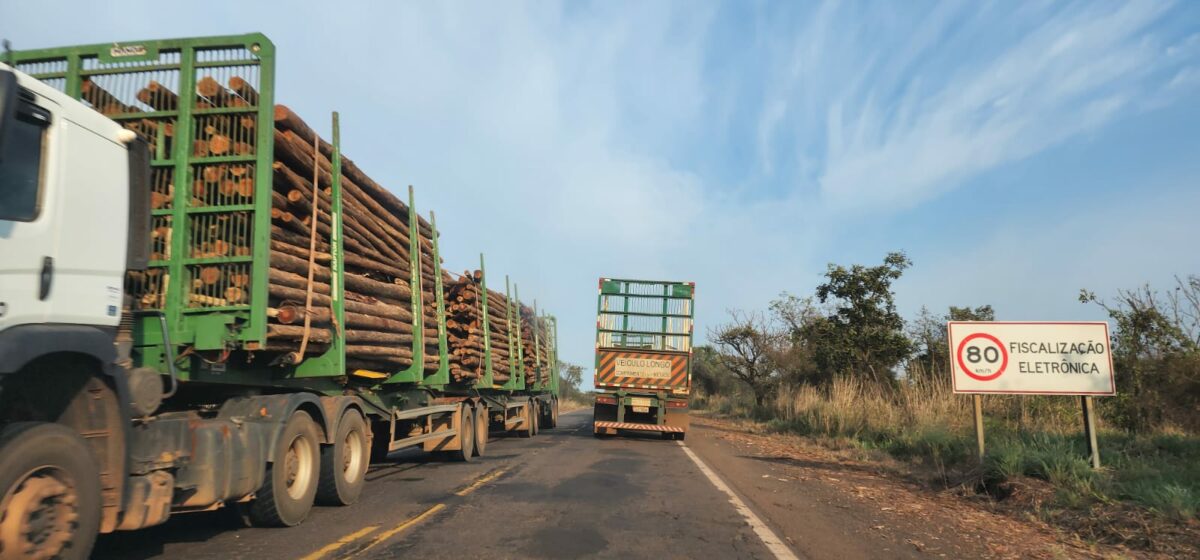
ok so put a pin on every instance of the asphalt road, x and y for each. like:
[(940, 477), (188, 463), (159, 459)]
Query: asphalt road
[(561, 494)]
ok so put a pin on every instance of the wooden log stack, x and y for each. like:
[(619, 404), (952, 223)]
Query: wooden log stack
[(377, 257), (378, 270), (464, 326), (536, 362)]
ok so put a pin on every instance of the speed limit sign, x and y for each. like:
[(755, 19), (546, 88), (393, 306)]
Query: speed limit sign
[(982, 356), (1031, 358)]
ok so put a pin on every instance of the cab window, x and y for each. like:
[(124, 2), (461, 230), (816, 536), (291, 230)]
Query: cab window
[(21, 169)]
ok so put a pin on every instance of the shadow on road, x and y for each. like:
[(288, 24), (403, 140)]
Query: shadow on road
[(180, 528)]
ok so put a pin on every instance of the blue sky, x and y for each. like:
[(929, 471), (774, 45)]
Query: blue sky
[(1017, 151)]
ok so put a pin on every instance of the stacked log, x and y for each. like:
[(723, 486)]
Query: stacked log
[(379, 276), (378, 270), (536, 354), (464, 326)]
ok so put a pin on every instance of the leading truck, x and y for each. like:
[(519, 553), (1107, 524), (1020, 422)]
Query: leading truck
[(141, 375), (643, 357)]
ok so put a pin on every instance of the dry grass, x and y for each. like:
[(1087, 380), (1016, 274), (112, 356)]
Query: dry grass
[(570, 404), (1148, 476)]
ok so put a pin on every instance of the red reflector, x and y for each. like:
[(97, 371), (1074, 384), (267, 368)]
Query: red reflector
[(677, 404), (606, 400)]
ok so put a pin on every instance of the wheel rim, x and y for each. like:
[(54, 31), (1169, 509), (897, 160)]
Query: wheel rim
[(39, 514), (353, 455), (298, 467)]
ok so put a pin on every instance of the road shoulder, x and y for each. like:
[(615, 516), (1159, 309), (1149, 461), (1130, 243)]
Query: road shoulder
[(825, 506)]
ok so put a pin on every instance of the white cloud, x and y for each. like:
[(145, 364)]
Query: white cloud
[(913, 108)]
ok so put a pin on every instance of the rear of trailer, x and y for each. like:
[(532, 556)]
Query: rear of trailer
[(643, 356)]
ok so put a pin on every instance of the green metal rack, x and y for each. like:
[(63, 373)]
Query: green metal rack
[(209, 222)]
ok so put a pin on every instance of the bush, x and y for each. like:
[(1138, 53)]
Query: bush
[(1037, 437)]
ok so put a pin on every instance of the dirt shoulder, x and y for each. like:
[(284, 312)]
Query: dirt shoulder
[(827, 504)]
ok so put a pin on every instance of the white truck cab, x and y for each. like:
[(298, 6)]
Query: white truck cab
[(64, 209), (74, 217)]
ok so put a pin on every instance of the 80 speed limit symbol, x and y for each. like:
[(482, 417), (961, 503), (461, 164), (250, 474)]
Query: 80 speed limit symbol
[(982, 356)]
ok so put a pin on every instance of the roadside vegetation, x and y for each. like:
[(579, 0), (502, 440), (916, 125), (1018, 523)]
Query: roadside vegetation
[(570, 396), (845, 369)]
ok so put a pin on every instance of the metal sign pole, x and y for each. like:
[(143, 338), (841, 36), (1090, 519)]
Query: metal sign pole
[(978, 400), (1089, 430)]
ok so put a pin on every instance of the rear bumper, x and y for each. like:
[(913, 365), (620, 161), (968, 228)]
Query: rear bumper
[(605, 425)]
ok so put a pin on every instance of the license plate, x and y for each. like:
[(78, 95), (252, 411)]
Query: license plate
[(641, 409), (639, 401)]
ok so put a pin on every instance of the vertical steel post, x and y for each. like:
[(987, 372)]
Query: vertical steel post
[(665, 321), (625, 318), (488, 378), (1089, 430), (516, 336), (978, 400), (442, 376)]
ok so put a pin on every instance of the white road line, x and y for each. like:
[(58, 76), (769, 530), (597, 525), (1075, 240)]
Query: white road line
[(768, 537)]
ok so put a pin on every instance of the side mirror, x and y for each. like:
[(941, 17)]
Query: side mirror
[(8, 102)]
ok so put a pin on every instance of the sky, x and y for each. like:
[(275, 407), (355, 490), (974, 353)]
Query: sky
[(1017, 152)]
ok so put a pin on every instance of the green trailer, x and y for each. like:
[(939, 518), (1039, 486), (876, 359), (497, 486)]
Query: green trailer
[(181, 372), (643, 356)]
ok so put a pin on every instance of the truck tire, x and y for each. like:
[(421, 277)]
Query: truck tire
[(47, 471), (536, 416), (290, 483), (344, 464), (482, 425), (554, 414), (466, 431)]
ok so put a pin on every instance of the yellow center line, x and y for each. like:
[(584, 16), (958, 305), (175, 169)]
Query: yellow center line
[(399, 528), (331, 547), (320, 553), (484, 480)]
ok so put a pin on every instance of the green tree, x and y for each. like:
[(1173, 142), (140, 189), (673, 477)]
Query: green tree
[(1156, 353), (861, 334), (745, 347), (795, 358), (570, 377), (708, 375), (931, 358)]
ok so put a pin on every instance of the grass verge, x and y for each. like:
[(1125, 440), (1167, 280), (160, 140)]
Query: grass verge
[(1147, 495)]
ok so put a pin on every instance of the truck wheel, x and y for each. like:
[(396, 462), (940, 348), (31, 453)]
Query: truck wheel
[(50, 506), (466, 429), (287, 494), (481, 429), (344, 464), (554, 414)]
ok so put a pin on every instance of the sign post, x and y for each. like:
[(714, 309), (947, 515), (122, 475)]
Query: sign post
[(1015, 358), (978, 400), (1089, 429)]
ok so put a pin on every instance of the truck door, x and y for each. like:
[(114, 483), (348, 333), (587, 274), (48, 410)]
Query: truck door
[(28, 232)]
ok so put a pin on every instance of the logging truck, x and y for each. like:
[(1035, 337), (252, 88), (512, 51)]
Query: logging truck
[(204, 304), (643, 357)]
